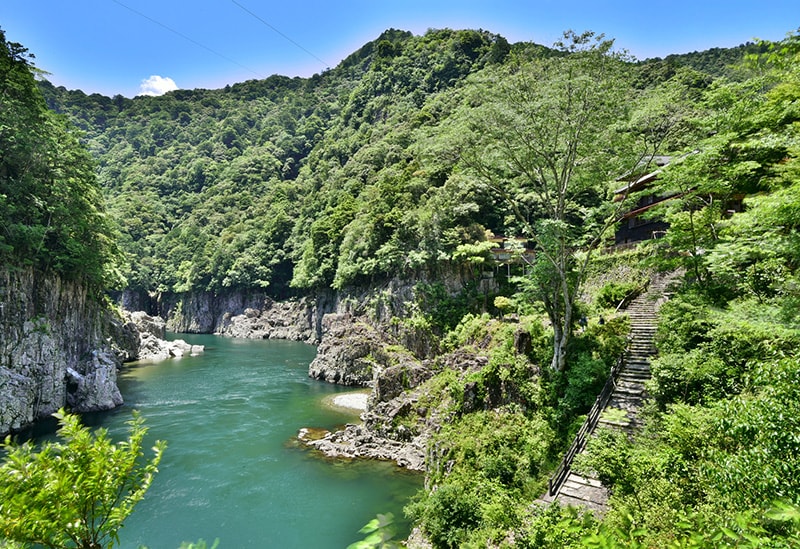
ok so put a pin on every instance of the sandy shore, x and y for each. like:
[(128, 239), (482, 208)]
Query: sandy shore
[(354, 401)]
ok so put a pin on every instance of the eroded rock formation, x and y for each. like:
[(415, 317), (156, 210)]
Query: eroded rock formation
[(54, 349)]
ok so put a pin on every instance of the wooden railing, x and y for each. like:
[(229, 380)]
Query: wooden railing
[(562, 471)]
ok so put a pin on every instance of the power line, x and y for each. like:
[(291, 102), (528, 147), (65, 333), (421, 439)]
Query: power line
[(279, 32), (195, 42)]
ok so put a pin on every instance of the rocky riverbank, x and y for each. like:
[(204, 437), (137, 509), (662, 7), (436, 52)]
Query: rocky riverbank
[(145, 337), (54, 349), (357, 441), (362, 341)]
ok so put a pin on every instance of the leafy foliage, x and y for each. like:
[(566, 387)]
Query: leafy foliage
[(380, 532), (544, 116), (717, 463), (51, 209), (76, 492)]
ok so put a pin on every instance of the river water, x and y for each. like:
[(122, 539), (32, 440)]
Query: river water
[(231, 470)]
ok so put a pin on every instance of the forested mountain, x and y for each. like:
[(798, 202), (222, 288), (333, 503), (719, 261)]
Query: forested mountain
[(306, 183), (409, 156), (253, 185)]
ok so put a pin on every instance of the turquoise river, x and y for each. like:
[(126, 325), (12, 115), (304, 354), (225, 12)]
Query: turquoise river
[(232, 470)]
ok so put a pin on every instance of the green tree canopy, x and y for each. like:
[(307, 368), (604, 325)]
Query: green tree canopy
[(52, 213)]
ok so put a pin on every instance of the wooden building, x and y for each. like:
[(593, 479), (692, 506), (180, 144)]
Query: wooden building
[(634, 226)]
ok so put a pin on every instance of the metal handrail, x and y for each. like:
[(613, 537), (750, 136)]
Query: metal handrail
[(578, 444)]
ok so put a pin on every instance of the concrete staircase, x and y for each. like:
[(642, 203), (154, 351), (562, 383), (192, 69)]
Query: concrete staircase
[(629, 392), (620, 410)]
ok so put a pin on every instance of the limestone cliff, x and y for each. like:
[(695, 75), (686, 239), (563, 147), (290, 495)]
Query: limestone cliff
[(53, 349)]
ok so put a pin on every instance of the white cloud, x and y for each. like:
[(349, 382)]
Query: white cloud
[(157, 85)]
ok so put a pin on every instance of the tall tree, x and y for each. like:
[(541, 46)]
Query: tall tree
[(548, 142), (51, 208)]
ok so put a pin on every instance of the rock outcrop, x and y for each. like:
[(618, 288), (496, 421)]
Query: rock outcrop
[(151, 344), (54, 349), (295, 320), (357, 441), (348, 353)]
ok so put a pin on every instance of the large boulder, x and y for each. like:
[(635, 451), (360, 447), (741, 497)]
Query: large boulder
[(145, 323), (141, 337), (94, 386), (349, 352)]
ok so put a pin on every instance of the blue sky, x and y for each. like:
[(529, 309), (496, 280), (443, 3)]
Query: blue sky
[(113, 46)]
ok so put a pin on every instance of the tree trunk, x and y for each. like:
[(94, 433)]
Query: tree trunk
[(560, 340)]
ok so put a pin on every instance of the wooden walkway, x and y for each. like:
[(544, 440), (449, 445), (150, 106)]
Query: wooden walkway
[(618, 407)]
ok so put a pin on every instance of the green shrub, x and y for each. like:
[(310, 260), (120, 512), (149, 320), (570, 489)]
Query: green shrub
[(470, 330), (555, 527), (591, 356), (616, 294), (695, 377), (449, 513), (586, 378), (684, 323), (701, 368), (444, 309), (78, 491)]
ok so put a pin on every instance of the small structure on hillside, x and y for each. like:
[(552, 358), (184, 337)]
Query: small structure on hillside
[(634, 225), (512, 251)]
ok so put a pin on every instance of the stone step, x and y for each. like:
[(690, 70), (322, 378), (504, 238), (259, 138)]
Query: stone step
[(598, 508), (629, 426), (574, 479), (638, 376), (629, 387), (629, 403), (578, 490), (646, 352), (631, 376), (641, 348), (639, 355), (630, 397)]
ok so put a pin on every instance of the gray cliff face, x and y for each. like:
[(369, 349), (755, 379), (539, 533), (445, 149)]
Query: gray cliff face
[(351, 327), (252, 315), (296, 320), (53, 350)]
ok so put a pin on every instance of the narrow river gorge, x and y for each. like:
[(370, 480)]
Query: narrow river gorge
[(232, 470)]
